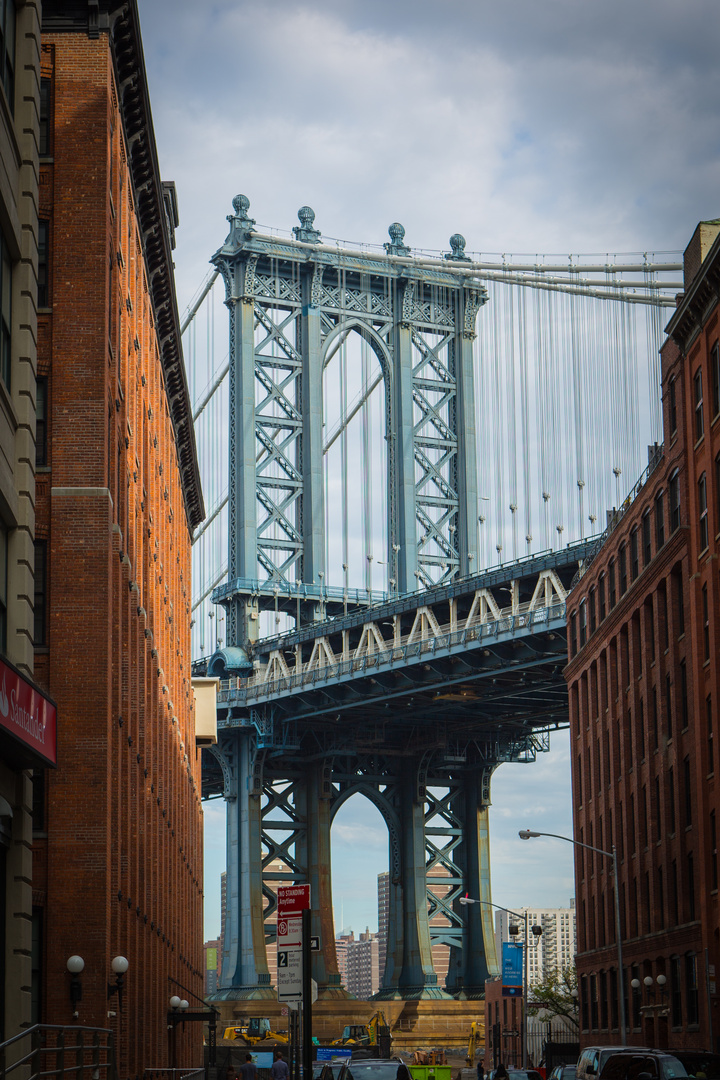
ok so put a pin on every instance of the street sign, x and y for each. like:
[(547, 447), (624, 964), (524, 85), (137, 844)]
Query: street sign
[(292, 898), (331, 1053), (289, 974), (289, 932)]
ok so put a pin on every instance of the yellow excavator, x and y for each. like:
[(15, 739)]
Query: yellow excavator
[(475, 1042), (364, 1034), (257, 1030)]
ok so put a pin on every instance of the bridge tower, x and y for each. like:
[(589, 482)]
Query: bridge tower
[(292, 303)]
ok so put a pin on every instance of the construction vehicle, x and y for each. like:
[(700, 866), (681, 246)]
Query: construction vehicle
[(475, 1042), (375, 1032), (257, 1030)]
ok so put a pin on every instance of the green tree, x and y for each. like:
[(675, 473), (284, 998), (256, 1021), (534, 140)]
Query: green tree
[(556, 994)]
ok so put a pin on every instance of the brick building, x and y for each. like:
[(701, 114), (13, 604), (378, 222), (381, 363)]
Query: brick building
[(117, 847), (20, 749), (643, 683)]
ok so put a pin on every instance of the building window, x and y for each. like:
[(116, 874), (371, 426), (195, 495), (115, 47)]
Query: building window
[(713, 851), (703, 511), (611, 579), (5, 308), (41, 406), (3, 587), (691, 886), (646, 542), (39, 633), (710, 740), (715, 376), (675, 896), (684, 718), (654, 718), (634, 555), (687, 785), (622, 563), (698, 391), (679, 599), (671, 799), (583, 622), (691, 988), (706, 623), (573, 634), (43, 263), (591, 605), (673, 406), (7, 48), (45, 99), (717, 494), (674, 486), (601, 595), (660, 520), (675, 993)]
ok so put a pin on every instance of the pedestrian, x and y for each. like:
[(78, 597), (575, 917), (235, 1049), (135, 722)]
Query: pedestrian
[(248, 1071), (403, 1073), (279, 1069)]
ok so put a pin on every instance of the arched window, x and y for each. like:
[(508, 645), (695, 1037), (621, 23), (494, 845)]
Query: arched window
[(703, 512)]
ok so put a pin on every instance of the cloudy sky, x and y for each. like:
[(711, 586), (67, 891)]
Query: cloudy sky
[(561, 126)]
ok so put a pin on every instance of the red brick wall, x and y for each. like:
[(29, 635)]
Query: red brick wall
[(629, 784), (120, 871)]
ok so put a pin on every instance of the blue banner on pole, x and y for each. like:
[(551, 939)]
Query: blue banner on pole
[(512, 963)]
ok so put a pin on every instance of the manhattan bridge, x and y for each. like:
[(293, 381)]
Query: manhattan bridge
[(407, 457)]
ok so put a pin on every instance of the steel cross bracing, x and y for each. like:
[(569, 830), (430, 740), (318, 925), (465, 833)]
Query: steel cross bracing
[(291, 308)]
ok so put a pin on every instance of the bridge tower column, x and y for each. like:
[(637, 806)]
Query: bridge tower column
[(241, 617), (244, 968), (467, 485), (314, 804), (313, 499), (409, 972), (476, 961), (404, 510)]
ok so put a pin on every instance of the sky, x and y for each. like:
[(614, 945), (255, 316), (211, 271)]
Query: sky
[(561, 126)]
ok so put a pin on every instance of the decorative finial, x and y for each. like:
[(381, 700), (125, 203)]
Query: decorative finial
[(305, 231), (240, 224), (396, 232), (457, 243)]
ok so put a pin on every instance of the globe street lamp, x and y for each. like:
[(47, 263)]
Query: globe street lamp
[(526, 834), (537, 931)]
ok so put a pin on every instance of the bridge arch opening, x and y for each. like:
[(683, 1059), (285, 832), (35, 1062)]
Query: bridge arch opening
[(359, 846), (355, 459)]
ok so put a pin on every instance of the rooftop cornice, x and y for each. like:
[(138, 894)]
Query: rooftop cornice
[(119, 19), (697, 302)]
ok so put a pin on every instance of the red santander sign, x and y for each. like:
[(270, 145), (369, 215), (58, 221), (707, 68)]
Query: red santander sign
[(28, 716), (293, 898)]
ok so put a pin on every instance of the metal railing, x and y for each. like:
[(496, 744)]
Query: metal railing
[(235, 690), (173, 1074), (45, 1051)]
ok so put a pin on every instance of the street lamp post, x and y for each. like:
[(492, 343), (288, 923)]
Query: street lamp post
[(526, 969), (526, 834)]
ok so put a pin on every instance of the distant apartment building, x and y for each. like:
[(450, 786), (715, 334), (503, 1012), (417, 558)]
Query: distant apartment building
[(362, 962), (211, 952), (342, 943), (383, 891), (552, 950)]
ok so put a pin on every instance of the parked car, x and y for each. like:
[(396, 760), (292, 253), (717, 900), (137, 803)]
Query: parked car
[(662, 1065), (519, 1074), (592, 1059), (563, 1072)]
